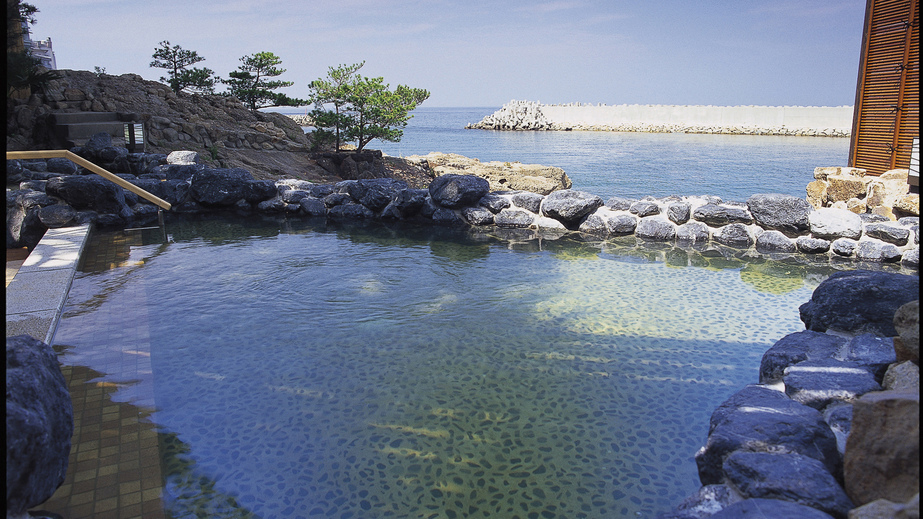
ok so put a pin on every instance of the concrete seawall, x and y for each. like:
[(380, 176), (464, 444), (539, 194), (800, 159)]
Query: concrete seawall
[(831, 121)]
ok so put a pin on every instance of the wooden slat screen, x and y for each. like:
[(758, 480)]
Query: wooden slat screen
[(887, 109)]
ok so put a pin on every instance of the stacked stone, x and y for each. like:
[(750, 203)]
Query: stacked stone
[(515, 115), (832, 429), (887, 195)]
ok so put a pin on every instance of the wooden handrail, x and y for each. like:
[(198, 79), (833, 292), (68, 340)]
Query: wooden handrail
[(80, 161)]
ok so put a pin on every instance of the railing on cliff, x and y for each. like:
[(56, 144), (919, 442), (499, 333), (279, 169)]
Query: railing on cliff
[(80, 161)]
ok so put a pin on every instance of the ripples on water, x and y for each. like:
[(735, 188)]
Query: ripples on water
[(301, 369)]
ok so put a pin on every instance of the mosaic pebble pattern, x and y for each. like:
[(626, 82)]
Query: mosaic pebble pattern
[(318, 373)]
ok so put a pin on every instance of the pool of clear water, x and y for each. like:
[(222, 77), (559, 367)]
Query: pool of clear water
[(303, 368)]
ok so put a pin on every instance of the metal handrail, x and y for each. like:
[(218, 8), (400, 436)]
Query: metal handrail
[(80, 161)]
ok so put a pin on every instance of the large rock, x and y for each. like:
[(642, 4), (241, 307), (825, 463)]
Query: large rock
[(859, 301), (376, 193), (882, 459), (773, 242), (884, 509), (406, 204), (501, 176), (830, 223), (903, 375), (785, 213), (817, 383), (90, 192), (220, 187), (705, 502), (841, 188), (456, 191), (569, 206), (761, 508), (24, 227), (734, 235), (761, 419), (794, 348), (719, 215), (907, 325), (656, 228), (39, 423), (693, 232), (787, 477)]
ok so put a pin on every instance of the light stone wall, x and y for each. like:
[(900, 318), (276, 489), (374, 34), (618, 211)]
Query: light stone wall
[(838, 118)]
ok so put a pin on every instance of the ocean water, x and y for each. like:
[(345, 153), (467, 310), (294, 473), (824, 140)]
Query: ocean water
[(632, 165)]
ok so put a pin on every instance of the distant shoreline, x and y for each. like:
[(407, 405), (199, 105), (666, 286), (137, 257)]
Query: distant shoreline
[(804, 121)]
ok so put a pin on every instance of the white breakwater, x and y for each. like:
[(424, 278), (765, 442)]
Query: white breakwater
[(829, 121)]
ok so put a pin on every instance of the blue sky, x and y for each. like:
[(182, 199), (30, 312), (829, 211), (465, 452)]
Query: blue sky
[(485, 53)]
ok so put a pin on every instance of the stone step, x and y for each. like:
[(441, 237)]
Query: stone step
[(75, 128)]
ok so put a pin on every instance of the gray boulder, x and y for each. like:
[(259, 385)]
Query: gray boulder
[(830, 223), (656, 228), (24, 228), (817, 383), (761, 419), (494, 203), (644, 208), (719, 215), (774, 241), (872, 352), (911, 258), (622, 224), (844, 246), (859, 301), (455, 191), (705, 502), (447, 217), (313, 206), (58, 215), (679, 212), (875, 250), (734, 235), (531, 202), (797, 347), (478, 216), (888, 233), (61, 165), (90, 192), (787, 477), (255, 191), (693, 232), (376, 193), (618, 203), (569, 206), (406, 203), (809, 245), (350, 211), (761, 508), (221, 187), (39, 423), (785, 213), (514, 219)]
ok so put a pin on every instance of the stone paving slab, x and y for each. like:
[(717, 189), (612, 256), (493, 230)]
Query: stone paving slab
[(37, 293)]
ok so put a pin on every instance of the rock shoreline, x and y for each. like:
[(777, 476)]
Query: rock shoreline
[(532, 116), (831, 429), (60, 194)]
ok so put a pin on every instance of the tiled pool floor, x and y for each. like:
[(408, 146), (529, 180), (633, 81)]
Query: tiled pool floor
[(114, 468)]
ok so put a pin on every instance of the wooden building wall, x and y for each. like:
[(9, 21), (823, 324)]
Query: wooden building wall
[(887, 108)]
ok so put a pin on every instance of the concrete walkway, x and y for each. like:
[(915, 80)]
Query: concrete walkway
[(36, 294)]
